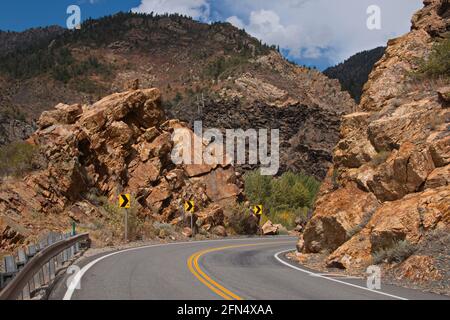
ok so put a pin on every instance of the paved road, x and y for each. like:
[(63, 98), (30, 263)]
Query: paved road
[(224, 269)]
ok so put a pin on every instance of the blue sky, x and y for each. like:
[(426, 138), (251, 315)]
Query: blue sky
[(312, 32)]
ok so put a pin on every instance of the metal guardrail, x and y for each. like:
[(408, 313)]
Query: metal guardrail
[(32, 272)]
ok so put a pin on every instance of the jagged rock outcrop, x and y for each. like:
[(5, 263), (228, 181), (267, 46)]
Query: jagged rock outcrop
[(120, 144), (303, 104), (390, 176)]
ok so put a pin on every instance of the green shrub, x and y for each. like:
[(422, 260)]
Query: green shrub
[(284, 198), (178, 98), (380, 157), (18, 158), (167, 228), (87, 85), (116, 219), (12, 112), (257, 186), (399, 252), (222, 67), (438, 63), (287, 215)]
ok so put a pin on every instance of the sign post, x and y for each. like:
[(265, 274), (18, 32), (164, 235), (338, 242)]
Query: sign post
[(125, 203), (126, 225), (258, 211), (189, 206)]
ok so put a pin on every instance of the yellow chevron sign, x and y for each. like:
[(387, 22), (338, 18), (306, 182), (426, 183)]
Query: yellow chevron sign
[(125, 201), (258, 210), (189, 206)]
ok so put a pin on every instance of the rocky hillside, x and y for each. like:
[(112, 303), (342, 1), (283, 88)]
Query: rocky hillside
[(199, 68), (16, 124), (93, 153), (13, 128), (274, 94), (387, 198), (13, 41), (354, 72)]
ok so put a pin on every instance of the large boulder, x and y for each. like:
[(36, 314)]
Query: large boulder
[(62, 114), (336, 215), (269, 229), (409, 218), (404, 172), (213, 216), (438, 178), (354, 149)]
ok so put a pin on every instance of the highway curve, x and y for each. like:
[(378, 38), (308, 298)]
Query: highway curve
[(231, 269)]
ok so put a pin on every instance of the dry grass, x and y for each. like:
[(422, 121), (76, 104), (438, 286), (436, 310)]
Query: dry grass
[(399, 252), (425, 85), (19, 158)]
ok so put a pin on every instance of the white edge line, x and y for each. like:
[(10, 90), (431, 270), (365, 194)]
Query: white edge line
[(74, 284), (276, 255)]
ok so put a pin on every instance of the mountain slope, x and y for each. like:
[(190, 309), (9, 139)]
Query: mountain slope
[(196, 66), (354, 72), (13, 41)]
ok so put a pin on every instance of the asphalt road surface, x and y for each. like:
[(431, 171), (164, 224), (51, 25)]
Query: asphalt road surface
[(235, 269)]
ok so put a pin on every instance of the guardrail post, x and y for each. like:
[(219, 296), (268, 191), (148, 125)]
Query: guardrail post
[(10, 264), (21, 258), (26, 294), (10, 269), (31, 250), (2, 281), (65, 256), (36, 281), (42, 245), (52, 268)]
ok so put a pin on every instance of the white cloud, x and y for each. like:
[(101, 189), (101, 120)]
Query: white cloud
[(266, 25), (197, 9), (235, 21), (323, 29), (328, 29)]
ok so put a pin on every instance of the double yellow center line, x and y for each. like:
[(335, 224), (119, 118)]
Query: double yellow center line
[(220, 290)]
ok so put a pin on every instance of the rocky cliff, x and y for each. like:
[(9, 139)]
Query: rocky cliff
[(307, 133), (388, 192), (120, 144)]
